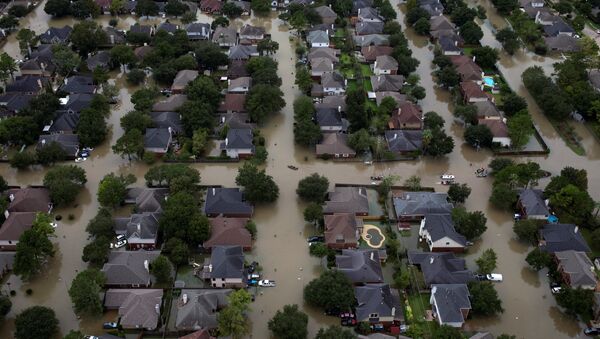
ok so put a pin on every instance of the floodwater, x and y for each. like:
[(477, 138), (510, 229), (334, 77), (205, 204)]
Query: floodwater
[(530, 310)]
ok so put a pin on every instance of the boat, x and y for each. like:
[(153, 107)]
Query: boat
[(481, 172), (293, 167)]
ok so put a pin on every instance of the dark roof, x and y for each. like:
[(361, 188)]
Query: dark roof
[(234, 102), (68, 142), (448, 44), (43, 52), (138, 308), (114, 36), (129, 267), (407, 113), (29, 199), (56, 34), (77, 102), (237, 68), (404, 140), (200, 310), (140, 29), (100, 59), (440, 226), (242, 52), (325, 12), (329, 117), (562, 237), (440, 267), (170, 104), (146, 199), (239, 138), (558, 27), (369, 27), (27, 84), (369, 13), (371, 40), (337, 102), (234, 120), (139, 227), (78, 84), (387, 82), (421, 203), (341, 228), (440, 22), (379, 299), (579, 268), (167, 27), (450, 299), (226, 201), (347, 200), (198, 28), (563, 43), (166, 120), (14, 226), (15, 101), (227, 262), (533, 203), (332, 80), (64, 122), (360, 266), (157, 138)]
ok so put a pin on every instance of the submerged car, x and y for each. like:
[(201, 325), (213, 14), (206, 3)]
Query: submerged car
[(109, 325), (591, 331), (315, 238), (494, 277), (266, 283)]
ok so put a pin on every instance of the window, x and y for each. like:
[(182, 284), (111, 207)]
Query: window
[(374, 315)]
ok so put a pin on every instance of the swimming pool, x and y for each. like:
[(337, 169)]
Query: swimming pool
[(489, 81)]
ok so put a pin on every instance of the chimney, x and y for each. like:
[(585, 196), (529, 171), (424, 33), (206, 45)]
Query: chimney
[(372, 255), (139, 228), (213, 191), (112, 39), (576, 229), (210, 267), (226, 141), (157, 308), (395, 136), (228, 82), (184, 298), (340, 109), (146, 265), (433, 290), (170, 130), (431, 260), (43, 141), (393, 311)]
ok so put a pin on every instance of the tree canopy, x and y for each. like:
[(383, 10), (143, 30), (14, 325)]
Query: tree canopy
[(335, 332), (313, 188), (289, 323), (85, 292), (470, 224), (458, 193), (484, 298), (233, 319), (64, 183), (113, 189), (34, 247), (36, 322), (258, 186), (330, 290)]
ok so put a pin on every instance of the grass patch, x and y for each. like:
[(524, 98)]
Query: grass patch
[(468, 51), (594, 128), (567, 133), (367, 85), (352, 85), (419, 303), (587, 235), (340, 33), (366, 70)]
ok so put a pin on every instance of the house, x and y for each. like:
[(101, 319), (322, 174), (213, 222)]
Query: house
[(146, 199), (487, 110), (75, 103), (440, 235), (562, 237), (182, 79), (368, 27), (450, 304), (29, 199), (99, 60), (472, 92), (360, 266), (242, 52), (157, 140), (252, 34), (440, 267), (142, 51), (226, 202), (244, 5), (562, 43), (330, 120), (387, 83), (198, 31), (414, 205), (141, 30), (211, 6), (558, 27), (330, 29), (229, 232), (531, 3), (449, 45), (138, 308), (239, 143), (337, 102), (12, 229), (225, 36), (576, 269), (167, 120), (385, 64), (69, 143), (370, 40), (13, 103), (37, 66), (369, 14), (170, 104), (28, 84), (167, 27), (398, 97), (342, 230), (370, 53), (318, 38), (335, 145), (333, 83), (318, 66), (404, 141), (357, 4), (43, 52), (233, 103), (467, 69), (129, 268), (140, 229), (236, 69), (225, 267), (440, 22), (234, 120), (56, 35), (239, 85), (499, 131), (114, 36), (64, 122), (347, 200), (378, 304), (407, 116), (327, 14), (532, 205), (197, 309), (77, 84), (324, 52)]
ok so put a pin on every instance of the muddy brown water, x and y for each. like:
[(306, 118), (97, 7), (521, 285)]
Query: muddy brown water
[(530, 309)]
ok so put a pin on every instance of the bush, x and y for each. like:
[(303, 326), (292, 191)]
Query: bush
[(136, 76)]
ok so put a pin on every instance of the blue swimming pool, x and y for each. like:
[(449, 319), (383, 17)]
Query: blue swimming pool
[(489, 81)]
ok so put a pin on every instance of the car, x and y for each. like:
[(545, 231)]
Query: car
[(555, 290), (494, 277), (84, 154), (80, 159), (591, 331), (348, 322), (447, 177), (109, 325), (121, 241), (266, 283), (54, 224), (252, 282), (253, 276), (252, 267), (316, 238), (347, 315), (90, 337)]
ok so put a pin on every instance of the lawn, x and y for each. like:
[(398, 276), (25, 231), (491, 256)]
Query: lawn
[(569, 136), (366, 70), (587, 235), (419, 303)]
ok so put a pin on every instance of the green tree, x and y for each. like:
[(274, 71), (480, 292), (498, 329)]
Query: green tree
[(484, 298), (262, 101), (85, 292), (102, 225), (447, 76), (188, 17), (318, 250), (471, 33), (196, 115), (146, 8), (503, 196), (177, 251), (97, 251), (64, 183), (576, 301), (487, 261), (260, 7), (65, 59), (436, 142), (27, 38), (165, 175), (87, 36), (258, 186), (144, 98), (231, 10), (251, 227), (313, 188), (74, 335), (34, 248), (233, 319), (509, 40), (520, 129), (572, 205), (478, 136), (113, 189), (303, 79), (527, 230), (9, 22), (331, 289), (313, 213), (91, 127), (267, 46), (470, 224), (462, 15), (204, 89), (161, 269), (136, 76), (446, 332), (83, 9), (307, 133), (135, 120), (512, 103), (18, 130), (199, 141), (176, 8), (432, 120), (36, 322), (22, 160), (422, 26), (413, 16), (290, 323), (122, 55), (360, 141), (538, 259), (468, 113), (179, 211), (413, 183), (485, 56), (130, 143), (5, 305), (335, 332), (458, 193), (209, 55), (505, 7), (7, 67), (50, 154)]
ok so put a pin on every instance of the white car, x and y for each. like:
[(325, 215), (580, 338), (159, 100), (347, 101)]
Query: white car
[(447, 177), (494, 277), (121, 241), (266, 283)]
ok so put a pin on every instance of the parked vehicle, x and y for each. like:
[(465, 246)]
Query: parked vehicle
[(121, 241), (109, 325), (591, 331), (377, 177), (494, 277), (555, 287), (252, 282), (80, 159), (348, 322), (347, 315), (481, 277), (316, 238), (252, 267), (266, 283), (447, 177), (90, 337)]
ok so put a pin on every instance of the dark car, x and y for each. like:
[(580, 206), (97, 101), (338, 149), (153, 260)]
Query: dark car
[(316, 238), (252, 267), (109, 325), (591, 331)]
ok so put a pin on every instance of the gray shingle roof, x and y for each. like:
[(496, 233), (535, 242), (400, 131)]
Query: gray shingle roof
[(129, 268), (138, 308), (325, 12), (371, 40), (360, 266), (379, 299), (56, 34), (558, 27), (532, 202), (347, 200), (332, 80), (369, 27), (157, 138), (421, 203), (146, 199), (440, 267), (226, 201), (200, 310), (224, 35), (450, 299), (441, 225), (323, 52), (387, 82), (100, 59), (78, 102), (64, 122), (486, 109), (79, 84), (369, 13), (562, 237), (242, 52), (578, 266), (227, 262), (239, 138), (68, 142), (329, 117), (166, 120), (139, 228), (404, 140), (386, 62), (318, 37)]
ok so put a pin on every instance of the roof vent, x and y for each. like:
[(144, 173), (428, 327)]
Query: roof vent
[(431, 260)]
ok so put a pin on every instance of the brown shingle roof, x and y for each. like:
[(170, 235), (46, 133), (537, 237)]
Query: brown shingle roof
[(370, 53), (347, 200), (29, 199), (341, 228), (16, 224), (233, 102), (229, 232), (334, 143), (498, 127), (472, 90), (407, 113)]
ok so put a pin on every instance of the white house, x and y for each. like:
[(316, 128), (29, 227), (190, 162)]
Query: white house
[(438, 232), (333, 83), (238, 143), (318, 38), (450, 304)]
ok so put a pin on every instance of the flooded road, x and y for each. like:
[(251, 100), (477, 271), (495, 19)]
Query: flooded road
[(281, 247)]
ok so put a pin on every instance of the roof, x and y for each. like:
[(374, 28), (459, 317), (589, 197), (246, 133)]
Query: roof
[(450, 299), (245, 5), (360, 266), (170, 104), (100, 59), (140, 29), (212, 5), (379, 299), (114, 36), (139, 228), (472, 90), (404, 140), (440, 267), (146, 199), (37, 64), (249, 30), (244, 82), (142, 51), (440, 22), (562, 42), (421, 203), (167, 27), (29, 199), (237, 68), (227, 262), (203, 333), (407, 113), (533, 203), (166, 120), (347, 200), (78, 84), (318, 37), (77, 102), (369, 13), (440, 226), (242, 52), (325, 12), (371, 40), (239, 138), (224, 35), (15, 101), (398, 97), (234, 120), (370, 53), (200, 310), (369, 27), (234, 102), (183, 78), (578, 266), (226, 201), (387, 82), (559, 26), (386, 62), (321, 65), (337, 102), (496, 126), (27, 84), (341, 228), (334, 143), (129, 267), (64, 122), (562, 237), (228, 232), (157, 138), (467, 68), (198, 28), (16, 223), (329, 117), (138, 308), (68, 142), (52, 34), (449, 44), (486, 109), (324, 52), (332, 80)]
